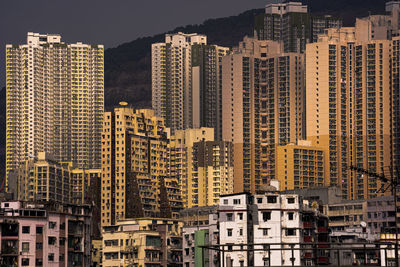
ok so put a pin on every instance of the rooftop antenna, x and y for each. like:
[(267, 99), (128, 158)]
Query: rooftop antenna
[(392, 183)]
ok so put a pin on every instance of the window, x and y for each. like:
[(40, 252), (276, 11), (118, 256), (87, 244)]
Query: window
[(241, 263), (259, 200), (25, 262), (241, 231), (39, 262), (187, 251), (265, 231), (61, 258), (291, 200), (229, 217), (39, 245), (290, 216), (229, 232), (240, 216), (62, 241), (39, 230), (271, 199), (266, 216), (290, 232), (225, 201), (62, 226), (52, 240), (25, 246), (26, 229), (51, 257), (266, 261), (52, 225), (236, 201)]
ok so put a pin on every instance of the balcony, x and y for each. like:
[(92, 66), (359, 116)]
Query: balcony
[(9, 247), (175, 257), (75, 244), (75, 228), (9, 230), (10, 261), (175, 243)]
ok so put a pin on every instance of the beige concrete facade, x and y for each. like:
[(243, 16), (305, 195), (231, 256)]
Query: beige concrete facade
[(346, 214), (182, 159), (300, 166), (203, 166), (143, 242), (186, 81), (349, 108), (44, 179), (135, 167), (263, 106)]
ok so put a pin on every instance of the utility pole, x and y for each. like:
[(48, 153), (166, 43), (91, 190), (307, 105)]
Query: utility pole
[(393, 183)]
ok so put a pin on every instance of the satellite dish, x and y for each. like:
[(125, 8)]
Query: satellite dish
[(363, 224)]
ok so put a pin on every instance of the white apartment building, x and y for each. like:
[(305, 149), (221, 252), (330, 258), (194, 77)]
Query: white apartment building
[(186, 80), (55, 100), (277, 222)]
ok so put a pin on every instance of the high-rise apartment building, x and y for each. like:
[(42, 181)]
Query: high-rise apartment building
[(202, 166), (380, 27), (351, 88), (54, 101), (300, 166), (395, 110), (135, 167), (241, 117), (186, 81), (291, 23), (282, 107), (44, 179), (263, 92)]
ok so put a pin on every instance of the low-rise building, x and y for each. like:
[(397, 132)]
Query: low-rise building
[(346, 214), (320, 195), (44, 234), (267, 229), (352, 238), (143, 242), (380, 214), (200, 229)]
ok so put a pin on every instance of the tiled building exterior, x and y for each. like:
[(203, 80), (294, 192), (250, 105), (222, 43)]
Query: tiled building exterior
[(55, 100)]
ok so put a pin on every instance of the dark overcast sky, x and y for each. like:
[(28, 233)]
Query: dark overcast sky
[(108, 22)]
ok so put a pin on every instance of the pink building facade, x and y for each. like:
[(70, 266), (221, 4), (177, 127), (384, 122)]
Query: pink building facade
[(44, 234)]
